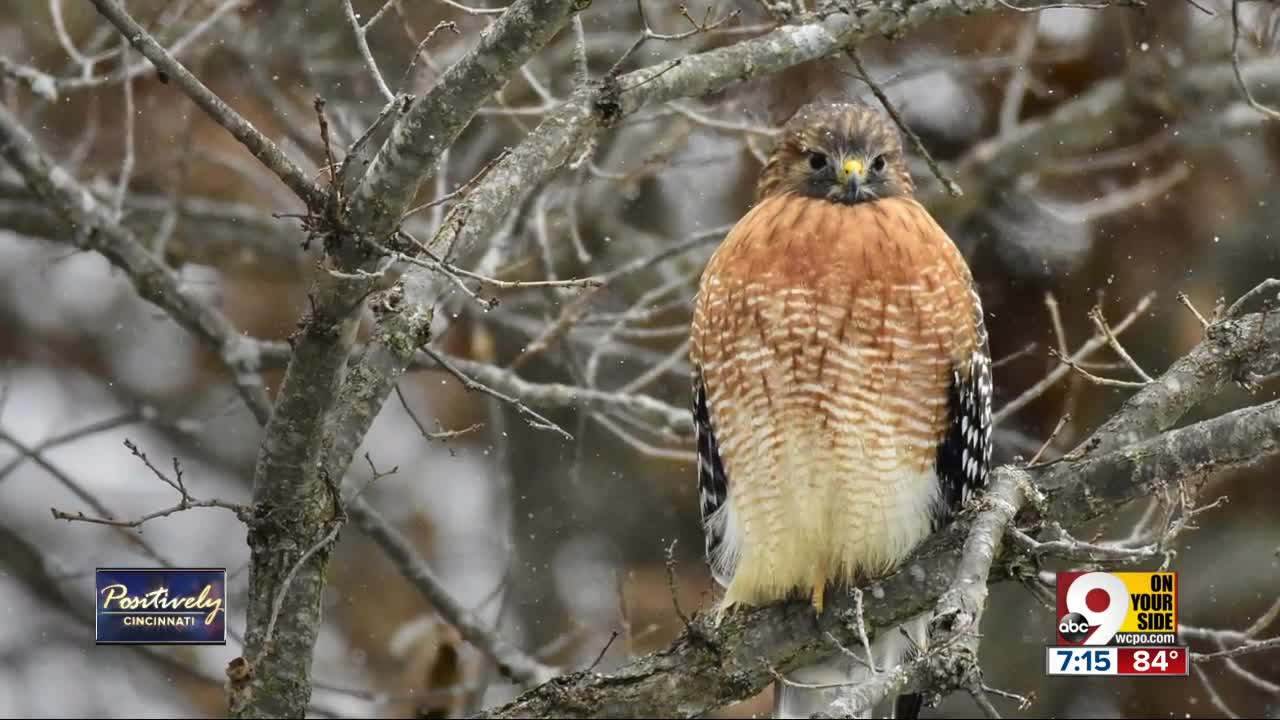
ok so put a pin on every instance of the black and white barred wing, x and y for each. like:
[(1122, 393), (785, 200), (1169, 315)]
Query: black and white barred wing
[(964, 456), (713, 486)]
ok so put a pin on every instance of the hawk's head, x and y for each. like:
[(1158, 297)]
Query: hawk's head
[(843, 152)]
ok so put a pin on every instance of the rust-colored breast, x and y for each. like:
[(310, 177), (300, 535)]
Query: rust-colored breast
[(825, 336)]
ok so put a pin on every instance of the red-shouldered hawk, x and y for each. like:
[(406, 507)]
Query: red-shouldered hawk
[(842, 386)]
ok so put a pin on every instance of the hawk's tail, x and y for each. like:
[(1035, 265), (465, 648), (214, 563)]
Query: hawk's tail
[(825, 687)]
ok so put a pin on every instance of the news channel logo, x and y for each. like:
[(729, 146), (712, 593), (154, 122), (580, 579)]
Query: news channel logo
[(1117, 609), (1117, 624), (160, 606)]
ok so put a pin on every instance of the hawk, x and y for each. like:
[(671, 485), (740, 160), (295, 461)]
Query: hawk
[(841, 382)]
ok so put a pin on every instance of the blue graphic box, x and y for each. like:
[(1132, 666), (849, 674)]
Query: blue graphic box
[(160, 606)]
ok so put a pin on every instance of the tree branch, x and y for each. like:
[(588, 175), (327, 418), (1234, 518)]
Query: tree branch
[(94, 227), (324, 410), (271, 156), (1232, 349), (711, 666), (1082, 124), (695, 675), (512, 663), (1266, 112), (431, 124), (549, 146)]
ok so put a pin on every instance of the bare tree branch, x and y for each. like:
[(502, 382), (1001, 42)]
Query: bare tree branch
[(186, 500), (93, 227), (431, 124), (694, 676), (1235, 66), (48, 87), (271, 156), (1231, 347), (511, 662), (362, 43), (325, 408), (712, 666), (1087, 120)]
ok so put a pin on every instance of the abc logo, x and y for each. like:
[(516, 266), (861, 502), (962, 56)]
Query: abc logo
[(1073, 627)]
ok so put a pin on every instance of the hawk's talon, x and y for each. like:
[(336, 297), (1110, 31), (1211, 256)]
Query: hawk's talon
[(818, 596)]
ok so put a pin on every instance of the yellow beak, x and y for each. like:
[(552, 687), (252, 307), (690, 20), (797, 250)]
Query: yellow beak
[(852, 169)]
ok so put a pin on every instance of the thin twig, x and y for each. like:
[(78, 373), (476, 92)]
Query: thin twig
[(441, 435), (126, 164), (728, 126), (64, 38), (1270, 285), (186, 501), (267, 152), (78, 516), (1201, 8), (1100, 323), (1055, 317), (1016, 89), (1235, 65), (861, 628), (1248, 648), (133, 450), (330, 165), (1062, 422), (511, 661), (1087, 349), (65, 480), (93, 428), (984, 703), (362, 44), (534, 419), (1080, 551), (1214, 698), (456, 192), (673, 586), (48, 87), (647, 32), (378, 15), (639, 445), (420, 51), (1186, 301), (612, 636), (1247, 675), (1264, 620), (1095, 379), (1016, 354), (1052, 5), (473, 10), (952, 188), (440, 264), (1023, 701), (658, 369), (278, 601), (1124, 199)]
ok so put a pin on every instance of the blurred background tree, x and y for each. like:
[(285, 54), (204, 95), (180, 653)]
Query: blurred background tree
[(1104, 155)]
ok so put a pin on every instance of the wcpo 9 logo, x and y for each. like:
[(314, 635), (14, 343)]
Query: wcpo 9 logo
[(1100, 608), (1091, 608), (1117, 624)]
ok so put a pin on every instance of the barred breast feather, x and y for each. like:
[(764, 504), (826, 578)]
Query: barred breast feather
[(839, 370)]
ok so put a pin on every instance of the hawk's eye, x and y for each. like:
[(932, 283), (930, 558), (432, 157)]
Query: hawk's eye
[(877, 165), (817, 160)]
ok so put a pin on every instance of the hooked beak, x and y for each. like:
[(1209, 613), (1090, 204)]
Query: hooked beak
[(852, 173)]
